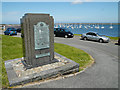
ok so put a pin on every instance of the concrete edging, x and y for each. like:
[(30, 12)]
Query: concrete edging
[(14, 80)]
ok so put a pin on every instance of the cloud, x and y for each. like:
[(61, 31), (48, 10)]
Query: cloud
[(77, 2), (80, 1)]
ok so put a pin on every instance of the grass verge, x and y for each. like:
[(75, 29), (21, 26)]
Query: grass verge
[(113, 38), (77, 34), (75, 54), (12, 48)]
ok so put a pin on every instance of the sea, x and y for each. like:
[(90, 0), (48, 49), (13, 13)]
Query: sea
[(102, 29)]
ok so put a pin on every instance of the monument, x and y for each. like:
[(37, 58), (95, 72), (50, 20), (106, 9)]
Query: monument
[(40, 61), (38, 39)]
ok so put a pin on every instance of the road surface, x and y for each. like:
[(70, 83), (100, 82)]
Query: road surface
[(103, 74)]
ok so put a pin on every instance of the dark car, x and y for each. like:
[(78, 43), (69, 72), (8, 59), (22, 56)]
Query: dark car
[(10, 31), (62, 32), (19, 30)]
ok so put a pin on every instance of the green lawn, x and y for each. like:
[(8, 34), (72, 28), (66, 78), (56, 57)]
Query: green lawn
[(77, 34), (74, 54), (0, 61), (12, 48), (112, 38)]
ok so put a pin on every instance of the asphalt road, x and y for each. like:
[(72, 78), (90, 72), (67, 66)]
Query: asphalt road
[(103, 74)]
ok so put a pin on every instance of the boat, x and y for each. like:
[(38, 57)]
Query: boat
[(68, 26), (102, 27), (60, 25), (111, 27), (85, 27), (72, 27), (97, 27), (80, 26)]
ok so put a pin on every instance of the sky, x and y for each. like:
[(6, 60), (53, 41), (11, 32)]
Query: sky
[(83, 11), (60, 0)]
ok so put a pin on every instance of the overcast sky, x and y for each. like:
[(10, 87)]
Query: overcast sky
[(74, 11)]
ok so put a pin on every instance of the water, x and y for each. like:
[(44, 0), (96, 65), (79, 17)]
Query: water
[(83, 28)]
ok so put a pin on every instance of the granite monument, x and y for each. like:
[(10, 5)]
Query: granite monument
[(38, 39)]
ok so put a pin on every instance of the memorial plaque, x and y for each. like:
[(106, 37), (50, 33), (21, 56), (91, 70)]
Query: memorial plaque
[(41, 34)]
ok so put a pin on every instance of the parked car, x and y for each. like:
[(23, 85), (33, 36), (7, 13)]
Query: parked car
[(62, 32), (19, 30), (10, 31), (94, 36)]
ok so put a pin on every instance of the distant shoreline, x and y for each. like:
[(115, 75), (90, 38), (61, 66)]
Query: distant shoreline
[(92, 23), (76, 23)]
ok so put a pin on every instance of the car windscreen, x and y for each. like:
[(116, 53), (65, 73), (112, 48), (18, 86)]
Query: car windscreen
[(99, 34), (67, 30)]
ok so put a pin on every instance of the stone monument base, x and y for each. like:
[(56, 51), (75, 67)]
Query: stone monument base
[(18, 74)]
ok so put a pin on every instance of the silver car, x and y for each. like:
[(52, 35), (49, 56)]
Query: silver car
[(94, 36)]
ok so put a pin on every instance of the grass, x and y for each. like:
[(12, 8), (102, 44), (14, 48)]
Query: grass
[(12, 48), (77, 34), (112, 38), (75, 54), (0, 61)]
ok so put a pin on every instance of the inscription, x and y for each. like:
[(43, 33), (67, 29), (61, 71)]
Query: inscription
[(41, 35), (42, 55)]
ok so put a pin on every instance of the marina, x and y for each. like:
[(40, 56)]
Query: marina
[(103, 29)]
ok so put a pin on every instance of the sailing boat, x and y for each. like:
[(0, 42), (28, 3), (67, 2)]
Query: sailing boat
[(111, 27), (72, 27), (97, 27), (67, 26), (60, 25), (80, 26), (56, 26), (102, 26)]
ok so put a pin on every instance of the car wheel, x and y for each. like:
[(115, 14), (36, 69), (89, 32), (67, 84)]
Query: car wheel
[(66, 36), (85, 38), (54, 35), (101, 40)]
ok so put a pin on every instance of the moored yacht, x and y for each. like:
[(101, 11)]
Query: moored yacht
[(111, 27)]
